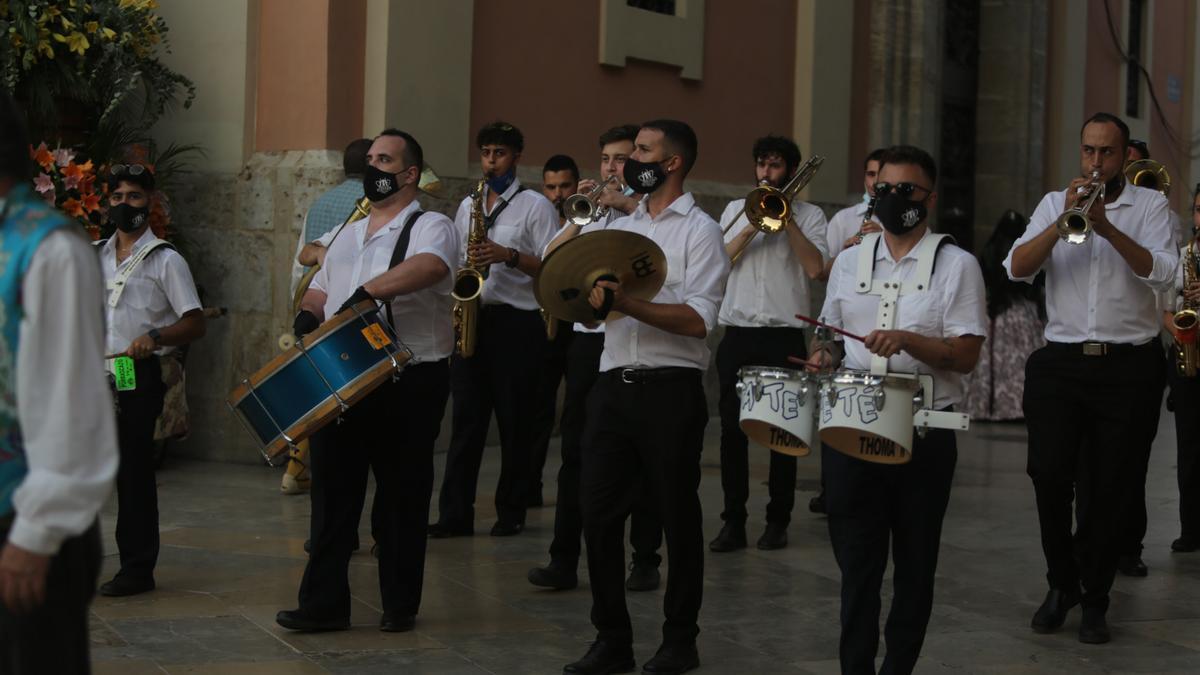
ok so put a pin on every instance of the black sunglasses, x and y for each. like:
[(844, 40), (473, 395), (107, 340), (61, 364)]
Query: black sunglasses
[(905, 190), (127, 169)]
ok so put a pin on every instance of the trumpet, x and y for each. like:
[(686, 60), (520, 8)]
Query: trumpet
[(1186, 321), (1075, 225), (1150, 174), (583, 208), (769, 209)]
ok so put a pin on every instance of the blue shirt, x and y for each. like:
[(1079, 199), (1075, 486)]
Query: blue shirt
[(332, 208)]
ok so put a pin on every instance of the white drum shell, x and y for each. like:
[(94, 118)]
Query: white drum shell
[(869, 417), (778, 408)]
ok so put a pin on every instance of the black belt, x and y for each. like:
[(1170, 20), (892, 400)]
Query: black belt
[(1097, 348), (644, 375)]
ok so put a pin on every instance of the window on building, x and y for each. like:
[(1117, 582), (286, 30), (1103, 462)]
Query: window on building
[(658, 6), (1133, 73)]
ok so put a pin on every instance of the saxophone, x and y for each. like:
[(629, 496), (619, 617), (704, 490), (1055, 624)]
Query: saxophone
[(1186, 321), (468, 283)]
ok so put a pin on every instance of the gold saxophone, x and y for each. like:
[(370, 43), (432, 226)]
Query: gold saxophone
[(468, 283), (1186, 321)]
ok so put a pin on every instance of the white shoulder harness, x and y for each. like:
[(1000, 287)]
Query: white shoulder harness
[(117, 286)]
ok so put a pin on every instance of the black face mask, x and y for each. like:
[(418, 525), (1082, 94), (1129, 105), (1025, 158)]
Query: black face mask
[(644, 177), (897, 214), (128, 218), (378, 184)]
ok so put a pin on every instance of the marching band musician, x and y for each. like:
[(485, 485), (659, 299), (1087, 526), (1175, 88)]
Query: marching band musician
[(938, 331), (647, 413), (1185, 392), (358, 266), (767, 285), (847, 226), (1092, 394), (583, 367), (511, 335), (152, 307)]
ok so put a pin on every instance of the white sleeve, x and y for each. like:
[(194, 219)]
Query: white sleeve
[(436, 235), (707, 268), (462, 223), (831, 311), (1047, 211), (66, 410), (732, 209), (542, 226), (815, 229), (177, 283), (1164, 254), (325, 239), (965, 300)]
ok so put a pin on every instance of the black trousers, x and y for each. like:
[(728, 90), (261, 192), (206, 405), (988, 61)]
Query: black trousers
[(1091, 420), (54, 637), (656, 430), (753, 347), (391, 432), (645, 530), (137, 493), (501, 376), (872, 506), (1185, 398), (554, 366)]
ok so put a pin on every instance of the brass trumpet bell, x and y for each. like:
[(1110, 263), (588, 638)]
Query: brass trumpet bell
[(1149, 174)]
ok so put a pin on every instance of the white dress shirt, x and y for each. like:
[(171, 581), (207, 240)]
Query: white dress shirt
[(423, 321), (298, 270), (845, 224), (65, 407), (768, 286), (697, 267), (527, 224), (1091, 292), (158, 294), (954, 305)]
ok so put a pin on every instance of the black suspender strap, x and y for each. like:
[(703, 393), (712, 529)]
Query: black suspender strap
[(490, 219), (399, 254)]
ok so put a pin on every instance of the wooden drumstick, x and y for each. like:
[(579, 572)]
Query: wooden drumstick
[(835, 329)]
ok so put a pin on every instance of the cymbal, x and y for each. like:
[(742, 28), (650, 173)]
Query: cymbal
[(571, 270)]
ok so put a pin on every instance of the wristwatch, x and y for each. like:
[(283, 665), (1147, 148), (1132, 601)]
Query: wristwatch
[(154, 335), (514, 258)]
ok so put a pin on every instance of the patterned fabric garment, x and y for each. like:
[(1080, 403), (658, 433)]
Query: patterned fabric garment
[(331, 208), (995, 387)]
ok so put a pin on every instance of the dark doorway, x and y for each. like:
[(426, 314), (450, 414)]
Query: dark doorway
[(960, 74)]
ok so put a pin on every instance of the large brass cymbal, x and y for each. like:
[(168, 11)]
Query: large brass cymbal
[(571, 270)]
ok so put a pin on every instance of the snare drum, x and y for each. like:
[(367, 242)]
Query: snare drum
[(869, 416), (313, 382), (779, 408)]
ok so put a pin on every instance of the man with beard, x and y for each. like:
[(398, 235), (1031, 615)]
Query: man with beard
[(767, 286), (401, 256), (510, 336), (647, 413), (1103, 359), (152, 308)]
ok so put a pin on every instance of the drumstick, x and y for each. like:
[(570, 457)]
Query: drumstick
[(835, 329)]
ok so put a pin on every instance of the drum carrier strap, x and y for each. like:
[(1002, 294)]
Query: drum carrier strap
[(117, 287), (399, 254)]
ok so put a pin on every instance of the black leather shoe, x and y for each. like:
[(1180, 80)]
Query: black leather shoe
[(817, 504), (1093, 629), (556, 575), (731, 537), (1053, 612), (601, 659), (1132, 566), (503, 529), (397, 623), (643, 577), (774, 537), (672, 659), (123, 585), (447, 530), (1185, 544), (298, 619)]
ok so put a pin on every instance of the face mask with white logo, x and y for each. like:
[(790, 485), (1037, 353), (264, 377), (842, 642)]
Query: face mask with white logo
[(378, 184), (644, 177)]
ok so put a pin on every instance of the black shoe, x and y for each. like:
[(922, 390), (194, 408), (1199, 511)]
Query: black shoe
[(503, 529), (1132, 566), (397, 623), (643, 576), (308, 545), (1185, 544), (672, 659), (1053, 612), (1093, 629), (123, 585), (298, 619), (446, 530), (731, 537), (556, 575), (817, 504), (774, 537), (601, 659)]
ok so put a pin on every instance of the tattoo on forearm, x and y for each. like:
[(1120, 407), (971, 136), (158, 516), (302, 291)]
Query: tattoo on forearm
[(946, 361)]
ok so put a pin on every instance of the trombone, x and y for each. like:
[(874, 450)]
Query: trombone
[(1075, 225), (1150, 174), (768, 209)]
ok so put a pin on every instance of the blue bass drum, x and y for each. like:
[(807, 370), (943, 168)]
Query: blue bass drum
[(315, 381)]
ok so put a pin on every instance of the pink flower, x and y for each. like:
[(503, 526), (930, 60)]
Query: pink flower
[(50, 198), (63, 156), (43, 183), (71, 181)]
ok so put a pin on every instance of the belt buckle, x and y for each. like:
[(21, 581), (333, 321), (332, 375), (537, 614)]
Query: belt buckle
[(1095, 349), (625, 375)]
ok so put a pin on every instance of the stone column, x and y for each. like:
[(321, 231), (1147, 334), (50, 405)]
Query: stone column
[(906, 65)]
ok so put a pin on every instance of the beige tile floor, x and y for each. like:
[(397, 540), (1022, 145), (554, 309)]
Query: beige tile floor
[(232, 556)]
